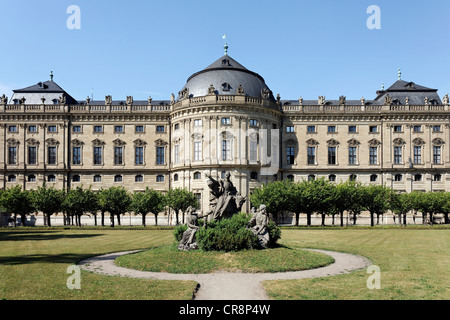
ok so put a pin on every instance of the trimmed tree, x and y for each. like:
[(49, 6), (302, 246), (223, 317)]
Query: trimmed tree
[(376, 200), (19, 202), (149, 201), (48, 201), (116, 201), (277, 197), (79, 201), (179, 200)]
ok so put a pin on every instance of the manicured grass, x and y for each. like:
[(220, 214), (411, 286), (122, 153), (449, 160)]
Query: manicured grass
[(33, 265), (414, 264), (169, 259)]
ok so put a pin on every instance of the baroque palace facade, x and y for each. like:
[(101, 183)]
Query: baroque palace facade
[(225, 119)]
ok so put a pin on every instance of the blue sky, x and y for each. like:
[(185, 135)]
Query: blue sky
[(149, 48)]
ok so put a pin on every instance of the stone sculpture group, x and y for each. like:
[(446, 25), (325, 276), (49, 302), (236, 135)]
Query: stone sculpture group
[(225, 201)]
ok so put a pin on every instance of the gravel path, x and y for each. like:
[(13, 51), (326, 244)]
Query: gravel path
[(225, 285)]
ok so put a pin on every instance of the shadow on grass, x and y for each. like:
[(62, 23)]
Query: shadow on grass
[(42, 258), (41, 235)]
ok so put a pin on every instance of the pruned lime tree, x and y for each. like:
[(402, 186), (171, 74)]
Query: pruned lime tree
[(149, 201), (17, 201), (48, 201), (80, 201), (116, 201), (179, 200)]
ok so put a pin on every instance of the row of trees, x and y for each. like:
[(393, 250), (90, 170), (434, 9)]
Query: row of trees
[(326, 198), (77, 202)]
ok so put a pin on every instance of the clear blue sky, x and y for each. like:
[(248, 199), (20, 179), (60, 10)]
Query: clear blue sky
[(301, 48)]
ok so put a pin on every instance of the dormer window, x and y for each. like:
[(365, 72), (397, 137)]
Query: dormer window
[(226, 62), (55, 101), (226, 86), (396, 102)]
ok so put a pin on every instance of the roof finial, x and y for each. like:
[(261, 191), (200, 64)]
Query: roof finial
[(225, 47), (382, 86), (399, 74), (51, 75)]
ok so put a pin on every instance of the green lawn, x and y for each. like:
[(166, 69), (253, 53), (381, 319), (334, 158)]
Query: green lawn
[(414, 264)]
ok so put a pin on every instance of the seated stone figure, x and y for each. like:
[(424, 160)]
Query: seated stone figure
[(258, 225), (188, 240)]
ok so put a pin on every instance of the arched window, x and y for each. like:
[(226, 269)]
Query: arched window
[(51, 178), (254, 175), (311, 177), (352, 177), (290, 177), (398, 177), (76, 178), (373, 178), (12, 178), (31, 178), (160, 178), (197, 175), (97, 178), (139, 178), (332, 177), (118, 178), (175, 177)]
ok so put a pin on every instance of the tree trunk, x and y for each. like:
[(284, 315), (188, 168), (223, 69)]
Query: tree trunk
[(143, 220), (156, 220), (371, 220), (49, 224), (354, 219), (446, 218), (297, 218), (112, 220), (118, 219), (103, 218), (308, 219), (323, 219), (342, 218), (404, 219), (23, 218)]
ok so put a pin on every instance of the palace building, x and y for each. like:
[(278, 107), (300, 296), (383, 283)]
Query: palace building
[(225, 119)]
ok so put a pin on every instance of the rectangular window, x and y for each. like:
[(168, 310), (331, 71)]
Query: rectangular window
[(76, 129), (98, 129), (436, 128), (417, 128), (253, 150), (160, 129), (352, 155), (373, 129), (118, 129), (52, 129), (139, 129), (139, 155), (311, 129), (311, 155), (176, 126), (226, 121), (12, 129), (197, 122), (12, 155), (331, 155), (331, 129), (397, 155), (176, 153), (32, 129), (118, 155), (32, 155), (51, 155), (98, 155), (197, 151), (373, 155), (253, 122), (160, 155), (226, 150), (76, 155), (352, 129), (290, 129), (436, 155), (290, 155), (417, 154), (198, 196), (397, 128)]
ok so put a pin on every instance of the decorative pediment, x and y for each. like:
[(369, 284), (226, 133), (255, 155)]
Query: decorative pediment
[(77, 143), (226, 135), (332, 143), (119, 143), (291, 142), (438, 142), (398, 142), (32, 142), (52, 142), (98, 143), (140, 143), (197, 136), (374, 143), (158, 143), (353, 143), (312, 142), (418, 142), (12, 142)]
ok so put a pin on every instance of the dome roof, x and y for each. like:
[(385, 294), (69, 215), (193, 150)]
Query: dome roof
[(226, 75)]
